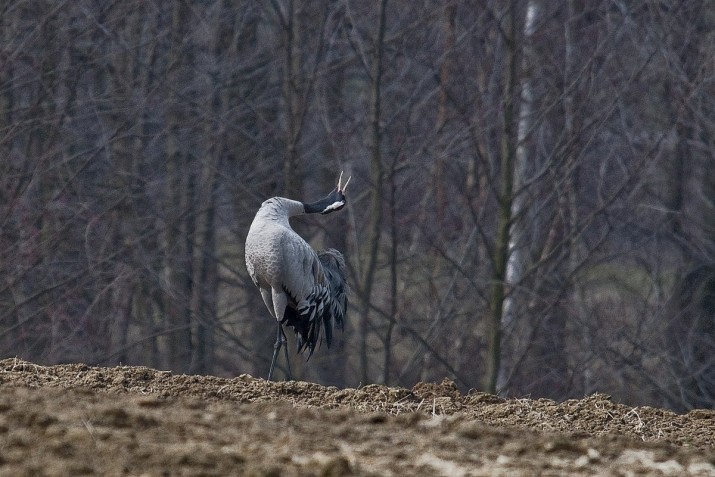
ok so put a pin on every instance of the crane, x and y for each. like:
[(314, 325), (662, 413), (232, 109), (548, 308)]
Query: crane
[(303, 289)]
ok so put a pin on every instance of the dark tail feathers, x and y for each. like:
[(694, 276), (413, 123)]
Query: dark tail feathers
[(334, 268), (308, 333)]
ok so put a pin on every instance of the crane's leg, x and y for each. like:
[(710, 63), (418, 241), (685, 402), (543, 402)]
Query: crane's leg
[(285, 352), (279, 300), (281, 342)]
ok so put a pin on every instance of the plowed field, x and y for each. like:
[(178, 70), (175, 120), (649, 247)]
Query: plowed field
[(81, 420)]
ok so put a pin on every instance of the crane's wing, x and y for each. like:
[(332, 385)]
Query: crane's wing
[(317, 291)]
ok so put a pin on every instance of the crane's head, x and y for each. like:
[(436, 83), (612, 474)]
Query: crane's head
[(333, 202)]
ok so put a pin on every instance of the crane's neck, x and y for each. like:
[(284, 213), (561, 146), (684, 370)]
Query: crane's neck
[(280, 208)]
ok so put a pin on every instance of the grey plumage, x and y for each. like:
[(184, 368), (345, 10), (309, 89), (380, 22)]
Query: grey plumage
[(328, 308), (302, 288)]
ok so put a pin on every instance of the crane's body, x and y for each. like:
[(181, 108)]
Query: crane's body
[(301, 288)]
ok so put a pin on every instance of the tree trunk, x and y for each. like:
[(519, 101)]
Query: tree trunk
[(292, 95), (205, 271), (519, 239), (372, 244), (505, 201), (179, 200), (387, 364)]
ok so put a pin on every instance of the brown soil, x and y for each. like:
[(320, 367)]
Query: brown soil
[(79, 420)]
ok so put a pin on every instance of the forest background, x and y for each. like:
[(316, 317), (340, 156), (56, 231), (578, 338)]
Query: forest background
[(531, 211)]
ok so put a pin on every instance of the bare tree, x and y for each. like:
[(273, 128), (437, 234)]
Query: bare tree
[(534, 216)]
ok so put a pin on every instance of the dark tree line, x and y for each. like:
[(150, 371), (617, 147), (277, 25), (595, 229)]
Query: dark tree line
[(531, 209)]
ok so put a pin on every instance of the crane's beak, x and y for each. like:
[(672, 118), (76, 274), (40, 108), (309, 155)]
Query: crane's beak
[(343, 187), (336, 199)]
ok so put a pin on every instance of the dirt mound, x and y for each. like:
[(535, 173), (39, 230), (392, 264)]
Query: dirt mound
[(81, 420)]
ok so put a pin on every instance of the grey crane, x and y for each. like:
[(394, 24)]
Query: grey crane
[(302, 288)]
